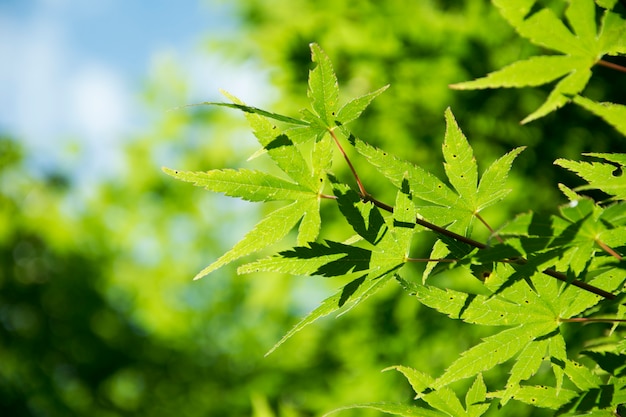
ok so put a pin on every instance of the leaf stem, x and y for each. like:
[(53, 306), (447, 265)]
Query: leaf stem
[(493, 233), (609, 250), (611, 65), (345, 156), (591, 320)]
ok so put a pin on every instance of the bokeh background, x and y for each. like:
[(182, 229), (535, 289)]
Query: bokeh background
[(98, 313)]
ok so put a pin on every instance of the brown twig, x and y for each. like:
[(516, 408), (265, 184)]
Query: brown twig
[(550, 272), (591, 320), (431, 260), (428, 225), (611, 65)]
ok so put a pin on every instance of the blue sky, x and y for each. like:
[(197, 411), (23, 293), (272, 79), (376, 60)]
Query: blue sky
[(73, 69)]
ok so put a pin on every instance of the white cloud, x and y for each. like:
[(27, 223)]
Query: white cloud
[(30, 84), (49, 96), (55, 87), (210, 73), (99, 103)]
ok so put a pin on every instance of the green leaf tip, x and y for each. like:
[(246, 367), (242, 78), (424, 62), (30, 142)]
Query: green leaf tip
[(323, 89)]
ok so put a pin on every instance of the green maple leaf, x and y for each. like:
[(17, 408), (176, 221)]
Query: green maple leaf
[(323, 93), (246, 184), (323, 89), (614, 114), (582, 47), (393, 409), (470, 198), (584, 233), (545, 397), (373, 267), (304, 193), (531, 310), (444, 399), (531, 318), (440, 204), (601, 176), (307, 176)]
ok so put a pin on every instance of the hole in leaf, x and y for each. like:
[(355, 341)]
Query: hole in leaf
[(617, 172)]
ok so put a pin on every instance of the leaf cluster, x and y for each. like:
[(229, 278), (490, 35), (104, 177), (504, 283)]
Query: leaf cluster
[(538, 274), (580, 44)]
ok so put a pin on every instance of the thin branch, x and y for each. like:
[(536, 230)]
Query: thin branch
[(591, 320), (429, 225), (580, 284), (550, 272), (431, 260), (611, 65)]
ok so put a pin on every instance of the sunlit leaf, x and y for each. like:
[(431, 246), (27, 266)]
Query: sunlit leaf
[(491, 188), (525, 366), (350, 295), (581, 50), (353, 109), (394, 409), (326, 259), (475, 399), (246, 184), (460, 164), (493, 351), (599, 175), (443, 399), (547, 397), (255, 110), (323, 88), (614, 114), (267, 232), (533, 71)]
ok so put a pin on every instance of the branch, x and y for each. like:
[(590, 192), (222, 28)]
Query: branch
[(591, 320), (550, 272), (611, 65)]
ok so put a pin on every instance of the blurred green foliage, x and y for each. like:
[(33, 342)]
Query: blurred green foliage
[(98, 315)]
